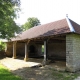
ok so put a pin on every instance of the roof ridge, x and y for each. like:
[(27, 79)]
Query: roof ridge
[(70, 25)]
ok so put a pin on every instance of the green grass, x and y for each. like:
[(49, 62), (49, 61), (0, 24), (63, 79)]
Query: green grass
[(5, 74), (59, 75), (42, 48)]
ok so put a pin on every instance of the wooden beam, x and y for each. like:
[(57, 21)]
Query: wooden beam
[(26, 50), (14, 49)]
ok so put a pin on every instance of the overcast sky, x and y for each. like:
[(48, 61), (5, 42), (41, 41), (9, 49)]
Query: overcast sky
[(49, 10)]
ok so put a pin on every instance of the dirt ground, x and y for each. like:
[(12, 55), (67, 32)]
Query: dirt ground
[(26, 69)]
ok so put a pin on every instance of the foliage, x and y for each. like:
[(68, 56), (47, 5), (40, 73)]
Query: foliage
[(31, 22), (8, 12), (42, 48), (5, 74), (2, 45)]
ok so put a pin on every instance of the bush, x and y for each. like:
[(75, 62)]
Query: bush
[(2, 46)]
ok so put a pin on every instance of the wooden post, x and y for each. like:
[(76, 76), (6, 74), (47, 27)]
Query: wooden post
[(26, 52), (14, 50), (45, 53), (6, 47)]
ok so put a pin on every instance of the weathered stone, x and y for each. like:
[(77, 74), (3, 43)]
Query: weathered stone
[(73, 52)]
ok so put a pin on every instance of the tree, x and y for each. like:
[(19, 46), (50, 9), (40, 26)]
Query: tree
[(8, 12), (31, 22)]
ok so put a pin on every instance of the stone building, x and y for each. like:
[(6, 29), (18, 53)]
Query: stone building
[(61, 40)]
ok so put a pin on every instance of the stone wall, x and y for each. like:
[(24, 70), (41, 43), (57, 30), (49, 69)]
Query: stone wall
[(37, 52), (57, 49), (73, 52), (20, 49), (9, 49)]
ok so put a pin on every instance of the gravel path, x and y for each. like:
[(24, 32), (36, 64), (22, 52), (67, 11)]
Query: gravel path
[(14, 64), (24, 69)]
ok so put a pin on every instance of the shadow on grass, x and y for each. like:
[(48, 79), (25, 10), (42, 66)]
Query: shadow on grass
[(37, 73), (43, 73)]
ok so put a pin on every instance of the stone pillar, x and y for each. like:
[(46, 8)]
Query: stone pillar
[(14, 50), (70, 53), (73, 52), (26, 52), (45, 53)]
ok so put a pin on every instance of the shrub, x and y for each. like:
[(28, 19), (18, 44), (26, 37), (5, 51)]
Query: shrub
[(2, 46)]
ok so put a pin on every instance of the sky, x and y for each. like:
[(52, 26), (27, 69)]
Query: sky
[(49, 10)]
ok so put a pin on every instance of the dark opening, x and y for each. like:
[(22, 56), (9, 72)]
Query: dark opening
[(32, 49)]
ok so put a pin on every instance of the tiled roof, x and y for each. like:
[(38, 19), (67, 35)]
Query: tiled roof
[(75, 26), (50, 29)]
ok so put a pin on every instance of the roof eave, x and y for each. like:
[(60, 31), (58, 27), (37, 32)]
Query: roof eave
[(70, 25)]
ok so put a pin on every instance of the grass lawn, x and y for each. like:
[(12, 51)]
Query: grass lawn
[(5, 74), (60, 75)]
